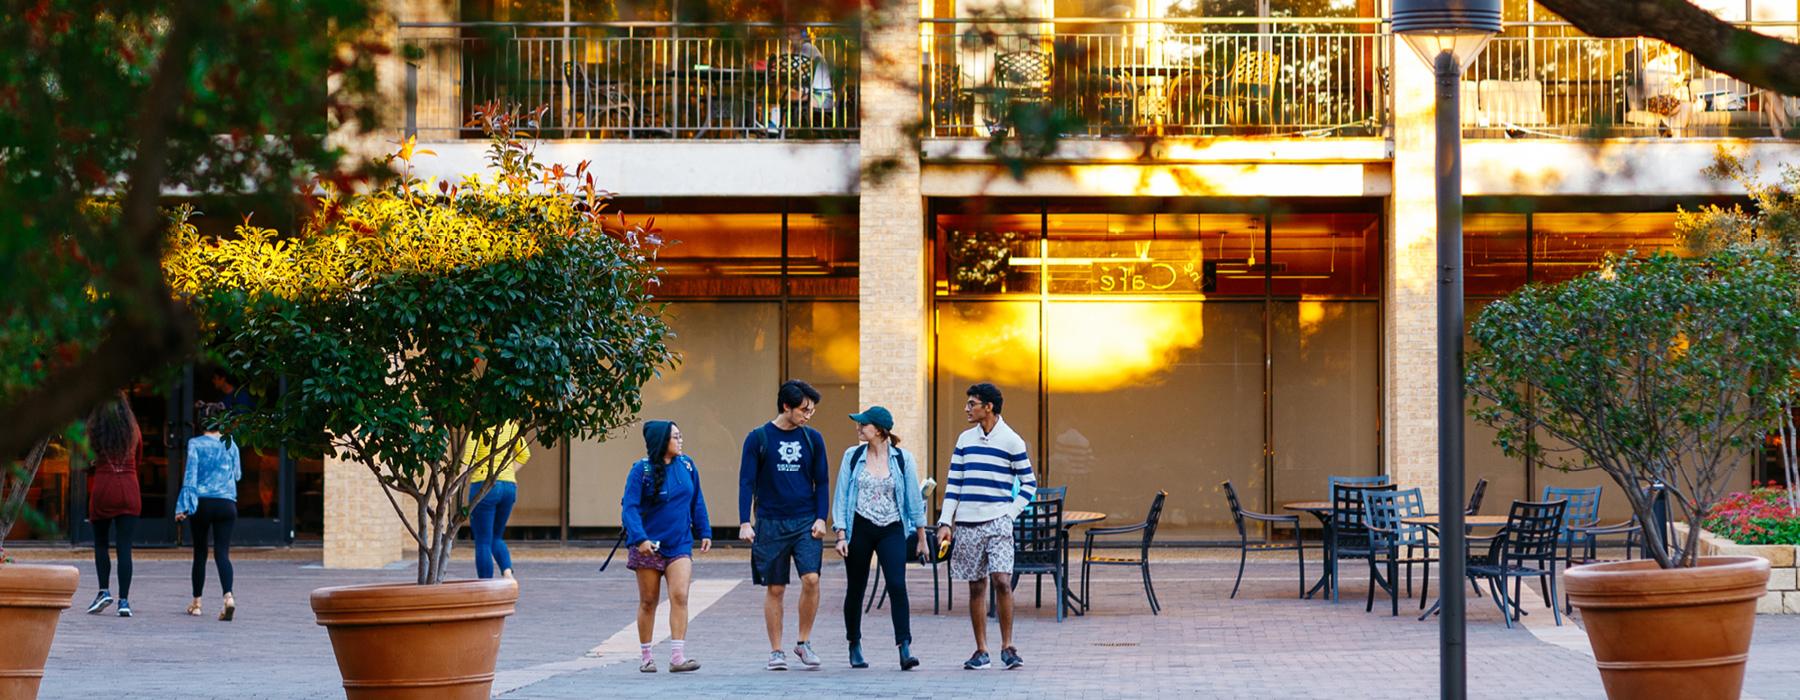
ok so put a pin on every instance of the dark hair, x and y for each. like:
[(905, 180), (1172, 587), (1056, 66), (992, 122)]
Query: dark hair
[(987, 393), (209, 415), (657, 434), (793, 393), (113, 429), (893, 440)]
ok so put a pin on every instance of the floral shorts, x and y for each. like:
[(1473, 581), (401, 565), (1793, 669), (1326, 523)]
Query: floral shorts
[(981, 549), (652, 561)]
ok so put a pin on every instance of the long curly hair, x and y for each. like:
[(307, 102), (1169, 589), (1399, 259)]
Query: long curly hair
[(113, 429)]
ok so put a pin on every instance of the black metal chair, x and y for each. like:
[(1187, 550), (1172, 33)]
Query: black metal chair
[(1383, 514), (1239, 515), (1038, 547), (878, 593), (1046, 493), (1476, 496), (1525, 548), (1349, 531), (1142, 561)]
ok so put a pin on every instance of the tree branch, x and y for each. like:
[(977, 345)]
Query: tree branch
[(1758, 59)]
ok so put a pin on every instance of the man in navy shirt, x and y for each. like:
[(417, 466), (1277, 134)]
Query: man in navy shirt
[(783, 473)]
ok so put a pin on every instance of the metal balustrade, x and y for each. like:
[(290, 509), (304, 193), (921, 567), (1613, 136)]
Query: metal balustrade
[(636, 80), (1546, 80), (1111, 77)]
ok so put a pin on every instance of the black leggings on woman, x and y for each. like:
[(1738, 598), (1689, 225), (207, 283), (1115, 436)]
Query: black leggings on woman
[(215, 516), (123, 526), (889, 544)]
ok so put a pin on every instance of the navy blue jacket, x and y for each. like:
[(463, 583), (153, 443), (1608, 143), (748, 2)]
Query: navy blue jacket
[(783, 472)]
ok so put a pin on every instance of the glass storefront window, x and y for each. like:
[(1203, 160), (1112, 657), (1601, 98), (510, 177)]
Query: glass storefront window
[(1144, 254), (1325, 255), (821, 255), (824, 348), (1325, 376), (719, 255), (1565, 245), (987, 254), (1493, 254), (987, 341)]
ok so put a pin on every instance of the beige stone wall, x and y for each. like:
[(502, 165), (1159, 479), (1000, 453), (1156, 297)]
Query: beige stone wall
[(1783, 596), (361, 529), (895, 331), (1410, 327)]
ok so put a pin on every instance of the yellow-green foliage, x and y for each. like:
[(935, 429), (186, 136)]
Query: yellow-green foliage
[(378, 234)]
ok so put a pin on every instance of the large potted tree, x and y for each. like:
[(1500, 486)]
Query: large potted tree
[(409, 319), (32, 597), (1659, 371)]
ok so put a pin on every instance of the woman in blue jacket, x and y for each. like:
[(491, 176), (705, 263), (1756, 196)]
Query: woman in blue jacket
[(664, 513), (877, 504)]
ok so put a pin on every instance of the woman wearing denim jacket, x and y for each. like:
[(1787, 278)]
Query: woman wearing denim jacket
[(208, 501), (877, 503)]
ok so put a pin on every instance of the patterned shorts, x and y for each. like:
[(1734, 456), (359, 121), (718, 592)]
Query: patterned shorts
[(981, 549), (652, 561)]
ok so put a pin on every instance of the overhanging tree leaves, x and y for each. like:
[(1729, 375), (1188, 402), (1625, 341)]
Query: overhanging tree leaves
[(1757, 59), (407, 320), (1658, 369), (128, 101)]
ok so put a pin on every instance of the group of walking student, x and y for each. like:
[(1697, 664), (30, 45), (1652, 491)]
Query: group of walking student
[(876, 512)]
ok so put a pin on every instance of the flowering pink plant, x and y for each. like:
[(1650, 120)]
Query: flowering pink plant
[(1760, 516)]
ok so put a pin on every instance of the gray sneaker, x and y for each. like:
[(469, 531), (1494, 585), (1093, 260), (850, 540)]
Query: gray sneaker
[(777, 661), (804, 652)]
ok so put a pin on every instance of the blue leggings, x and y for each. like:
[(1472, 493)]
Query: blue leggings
[(487, 522)]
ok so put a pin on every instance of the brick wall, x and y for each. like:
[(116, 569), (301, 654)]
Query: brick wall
[(895, 332), (1410, 323), (361, 529)]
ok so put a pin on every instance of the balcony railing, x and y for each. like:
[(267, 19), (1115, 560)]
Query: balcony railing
[(1107, 77), (632, 80), (1546, 80)]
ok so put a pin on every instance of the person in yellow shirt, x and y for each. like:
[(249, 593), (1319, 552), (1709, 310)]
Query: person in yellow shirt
[(487, 518)]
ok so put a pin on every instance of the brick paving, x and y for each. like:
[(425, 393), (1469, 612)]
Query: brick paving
[(1265, 643)]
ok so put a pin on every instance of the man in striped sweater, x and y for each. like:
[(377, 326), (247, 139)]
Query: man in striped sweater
[(978, 512)]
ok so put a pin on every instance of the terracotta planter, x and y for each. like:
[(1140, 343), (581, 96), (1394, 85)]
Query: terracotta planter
[(410, 641), (1674, 633), (32, 599)]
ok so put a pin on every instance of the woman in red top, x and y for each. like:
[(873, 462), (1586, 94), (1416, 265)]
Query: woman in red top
[(113, 499)]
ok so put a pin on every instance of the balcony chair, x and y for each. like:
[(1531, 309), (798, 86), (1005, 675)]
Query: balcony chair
[(952, 106), (1023, 80), (1245, 94), (787, 98), (1525, 548), (599, 104), (1383, 513), (1141, 561), (1239, 515), (1349, 532)]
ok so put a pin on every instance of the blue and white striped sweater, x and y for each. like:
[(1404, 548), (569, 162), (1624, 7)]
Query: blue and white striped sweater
[(982, 471)]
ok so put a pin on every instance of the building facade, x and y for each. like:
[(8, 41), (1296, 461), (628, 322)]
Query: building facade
[(1221, 268)]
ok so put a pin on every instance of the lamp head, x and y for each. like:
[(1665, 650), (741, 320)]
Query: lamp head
[(1460, 27)]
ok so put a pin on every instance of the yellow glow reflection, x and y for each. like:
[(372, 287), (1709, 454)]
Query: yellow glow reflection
[(1096, 347)]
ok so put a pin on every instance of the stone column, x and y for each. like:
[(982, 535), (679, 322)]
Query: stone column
[(361, 529), (895, 328), (1410, 340)]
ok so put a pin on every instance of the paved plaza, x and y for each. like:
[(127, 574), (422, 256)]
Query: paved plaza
[(573, 638)]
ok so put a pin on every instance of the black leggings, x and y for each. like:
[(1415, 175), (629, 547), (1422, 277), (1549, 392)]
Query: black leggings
[(217, 516), (124, 525), (889, 544)]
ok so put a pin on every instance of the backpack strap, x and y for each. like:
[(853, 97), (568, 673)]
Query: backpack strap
[(818, 448), (856, 456)]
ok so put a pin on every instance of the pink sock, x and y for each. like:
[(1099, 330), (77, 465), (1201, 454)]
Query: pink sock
[(644, 649), (679, 653)]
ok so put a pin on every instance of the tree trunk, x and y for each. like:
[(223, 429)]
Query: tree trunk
[(1790, 459), (15, 483), (1758, 59)]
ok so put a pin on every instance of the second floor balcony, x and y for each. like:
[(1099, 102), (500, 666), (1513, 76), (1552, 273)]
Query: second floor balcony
[(1085, 78)]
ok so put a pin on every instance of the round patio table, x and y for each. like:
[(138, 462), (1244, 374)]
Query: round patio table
[(1071, 520), (1322, 511), (1430, 522)]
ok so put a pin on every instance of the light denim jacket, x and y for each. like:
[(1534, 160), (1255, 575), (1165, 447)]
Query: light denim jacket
[(906, 490), (213, 471)]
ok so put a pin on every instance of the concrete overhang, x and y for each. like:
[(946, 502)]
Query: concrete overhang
[(680, 168)]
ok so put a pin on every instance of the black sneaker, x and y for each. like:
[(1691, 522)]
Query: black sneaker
[(1010, 657), (124, 608), (101, 601), (978, 662)]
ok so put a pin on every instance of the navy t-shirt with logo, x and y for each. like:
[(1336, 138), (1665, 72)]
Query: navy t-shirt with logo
[(784, 472)]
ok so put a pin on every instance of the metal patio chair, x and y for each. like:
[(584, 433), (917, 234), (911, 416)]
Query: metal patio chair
[(1142, 560), (1525, 548), (1239, 515)]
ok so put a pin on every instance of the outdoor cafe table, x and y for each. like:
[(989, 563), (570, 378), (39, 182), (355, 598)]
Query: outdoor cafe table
[(1322, 511), (1430, 522)]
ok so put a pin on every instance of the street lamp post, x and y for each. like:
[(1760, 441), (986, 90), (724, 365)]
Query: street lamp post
[(1448, 34)]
